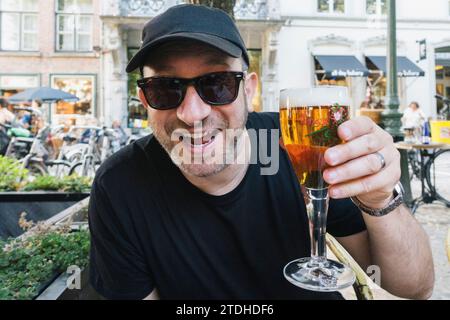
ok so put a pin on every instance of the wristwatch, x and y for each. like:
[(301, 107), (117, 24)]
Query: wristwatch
[(391, 206)]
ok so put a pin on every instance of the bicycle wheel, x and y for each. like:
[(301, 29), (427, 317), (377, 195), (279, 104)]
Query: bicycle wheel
[(77, 169), (438, 175), (37, 168), (58, 168)]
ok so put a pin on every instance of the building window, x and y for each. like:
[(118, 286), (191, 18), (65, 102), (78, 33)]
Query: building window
[(376, 7), (82, 86), (331, 6), (13, 83), (19, 25), (74, 25)]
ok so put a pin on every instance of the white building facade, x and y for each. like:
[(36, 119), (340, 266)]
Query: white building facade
[(258, 20), (358, 28), (83, 46), (287, 37)]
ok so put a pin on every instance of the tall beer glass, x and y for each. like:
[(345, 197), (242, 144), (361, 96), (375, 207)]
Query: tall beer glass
[(309, 120)]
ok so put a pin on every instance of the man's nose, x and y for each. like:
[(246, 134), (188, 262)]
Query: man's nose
[(193, 108)]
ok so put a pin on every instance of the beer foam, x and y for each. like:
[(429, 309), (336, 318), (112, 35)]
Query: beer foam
[(316, 96)]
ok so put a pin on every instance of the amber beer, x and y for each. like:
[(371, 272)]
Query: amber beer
[(309, 120)]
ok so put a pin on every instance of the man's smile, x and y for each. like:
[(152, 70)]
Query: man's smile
[(201, 142)]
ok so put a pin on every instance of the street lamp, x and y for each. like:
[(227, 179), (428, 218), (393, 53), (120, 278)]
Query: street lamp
[(391, 116)]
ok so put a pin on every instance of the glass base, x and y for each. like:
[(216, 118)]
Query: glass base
[(326, 276)]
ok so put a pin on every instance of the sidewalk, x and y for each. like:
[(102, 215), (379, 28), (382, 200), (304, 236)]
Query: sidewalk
[(435, 218)]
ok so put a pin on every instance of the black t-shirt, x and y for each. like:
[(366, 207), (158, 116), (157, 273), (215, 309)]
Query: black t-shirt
[(151, 228)]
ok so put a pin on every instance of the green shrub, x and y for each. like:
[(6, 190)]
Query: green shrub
[(27, 265), (77, 184), (47, 183), (71, 183), (11, 174), (13, 178)]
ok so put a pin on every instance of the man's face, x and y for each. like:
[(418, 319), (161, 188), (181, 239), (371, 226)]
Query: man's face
[(195, 132)]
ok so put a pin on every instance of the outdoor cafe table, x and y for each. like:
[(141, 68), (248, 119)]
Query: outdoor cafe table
[(428, 195)]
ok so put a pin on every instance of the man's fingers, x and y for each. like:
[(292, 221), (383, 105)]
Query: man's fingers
[(360, 146), (361, 167), (384, 181), (356, 127), (356, 168)]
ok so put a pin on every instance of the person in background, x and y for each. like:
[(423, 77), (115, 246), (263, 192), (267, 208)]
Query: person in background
[(413, 116), (6, 116), (412, 120), (25, 119), (121, 134), (90, 122)]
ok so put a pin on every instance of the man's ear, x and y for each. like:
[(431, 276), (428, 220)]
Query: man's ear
[(251, 83), (142, 98)]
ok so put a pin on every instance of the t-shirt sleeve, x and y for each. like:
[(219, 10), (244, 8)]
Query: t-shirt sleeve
[(344, 218), (117, 269)]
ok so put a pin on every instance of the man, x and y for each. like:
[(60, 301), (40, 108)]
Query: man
[(413, 119), (413, 116), (6, 116), (169, 222)]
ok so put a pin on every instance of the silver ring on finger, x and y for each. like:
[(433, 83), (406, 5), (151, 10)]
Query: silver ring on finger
[(382, 160)]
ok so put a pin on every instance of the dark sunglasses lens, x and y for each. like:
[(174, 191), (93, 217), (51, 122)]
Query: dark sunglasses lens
[(163, 93), (219, 88)]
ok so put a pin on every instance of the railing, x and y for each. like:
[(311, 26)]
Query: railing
[(243, 10), (145, 8), (251, 9)]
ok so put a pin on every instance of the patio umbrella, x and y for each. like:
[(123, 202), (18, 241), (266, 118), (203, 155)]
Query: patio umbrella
[(44, 94)]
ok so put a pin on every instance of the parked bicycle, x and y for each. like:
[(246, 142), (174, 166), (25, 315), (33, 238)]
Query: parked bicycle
[(103, 142), (435, 168), (56, 151), (37, 161)]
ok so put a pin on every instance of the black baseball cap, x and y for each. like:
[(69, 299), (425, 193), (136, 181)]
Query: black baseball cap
[(211, 26)]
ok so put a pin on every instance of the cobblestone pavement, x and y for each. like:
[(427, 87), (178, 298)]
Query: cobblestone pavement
[(435, 218)]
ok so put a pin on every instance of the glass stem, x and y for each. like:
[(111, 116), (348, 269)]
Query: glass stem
[(317, 208)]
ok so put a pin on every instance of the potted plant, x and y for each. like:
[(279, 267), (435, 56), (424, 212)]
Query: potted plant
[(30, 263), (41, 196)]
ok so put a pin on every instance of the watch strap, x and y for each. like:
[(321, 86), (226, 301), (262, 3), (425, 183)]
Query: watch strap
[(391, 206)]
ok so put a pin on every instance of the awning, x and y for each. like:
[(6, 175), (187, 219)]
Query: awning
[(443, 62), (405, 67), (342, 66)]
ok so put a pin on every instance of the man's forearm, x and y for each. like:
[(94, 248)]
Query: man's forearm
[(400, 247)]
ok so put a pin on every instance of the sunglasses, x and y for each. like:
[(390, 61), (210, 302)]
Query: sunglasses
[(216, 89)]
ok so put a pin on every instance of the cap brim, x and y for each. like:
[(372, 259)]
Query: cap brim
[(224, 45)]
